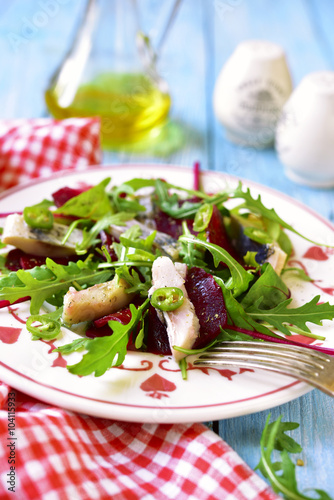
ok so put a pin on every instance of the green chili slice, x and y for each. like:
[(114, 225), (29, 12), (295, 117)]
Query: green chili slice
[(38, 217), (47, 329), (167, 299), (203, 217)]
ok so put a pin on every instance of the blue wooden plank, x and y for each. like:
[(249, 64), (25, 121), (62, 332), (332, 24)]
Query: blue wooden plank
[(286, 23), (314, 414), (32, 42)]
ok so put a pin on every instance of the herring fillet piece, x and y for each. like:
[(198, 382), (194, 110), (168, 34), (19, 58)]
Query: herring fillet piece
[(162, 241), (35, 241), (277, 258), (96, 301), (182, 323)]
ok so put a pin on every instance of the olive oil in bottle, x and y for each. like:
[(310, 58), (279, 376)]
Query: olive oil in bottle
[(130, 105)]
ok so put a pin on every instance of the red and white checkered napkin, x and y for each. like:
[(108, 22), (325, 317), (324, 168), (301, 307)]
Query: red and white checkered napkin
[(31, 148), (60, 455)]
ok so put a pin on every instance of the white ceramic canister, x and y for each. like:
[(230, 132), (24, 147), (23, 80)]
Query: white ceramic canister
[(305, 131), (250, 92)]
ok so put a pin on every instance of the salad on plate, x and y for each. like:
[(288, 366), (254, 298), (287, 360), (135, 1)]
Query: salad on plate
[(147, 265)]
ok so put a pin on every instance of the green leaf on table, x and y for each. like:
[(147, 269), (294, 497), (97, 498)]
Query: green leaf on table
[(282, 474)]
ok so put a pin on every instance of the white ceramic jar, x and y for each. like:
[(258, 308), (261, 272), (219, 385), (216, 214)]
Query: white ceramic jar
[(250, 92), (305, 131)]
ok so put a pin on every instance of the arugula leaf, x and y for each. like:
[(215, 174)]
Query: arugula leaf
[(190, 253), (91, 204), (128, 203), (132, 278), (89, 237), (240, 278), (282, 475), (139, 183), (106, 352), (131, 238), (139, 342), (256, 206), (280, 315), (298, 271), (188, 209), (44, 282), (76, 345)]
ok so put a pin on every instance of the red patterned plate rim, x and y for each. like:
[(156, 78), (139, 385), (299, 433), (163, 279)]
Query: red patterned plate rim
[(111, 408)]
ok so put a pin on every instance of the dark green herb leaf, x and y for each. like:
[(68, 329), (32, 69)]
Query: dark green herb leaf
[(43, 282), (269, 287), (105, 352), (91, 204)]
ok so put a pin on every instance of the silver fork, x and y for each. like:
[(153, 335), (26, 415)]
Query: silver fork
[(311, 366)]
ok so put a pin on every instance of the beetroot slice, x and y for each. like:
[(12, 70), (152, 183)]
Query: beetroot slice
[(207, 298), (100, 327), (157, 338), (17, 259), (167, 224), (64, 194), (216, 233)]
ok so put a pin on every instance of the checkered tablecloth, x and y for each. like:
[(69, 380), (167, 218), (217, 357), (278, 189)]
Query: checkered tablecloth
[(60, 455), (39, 147), (47, 453)]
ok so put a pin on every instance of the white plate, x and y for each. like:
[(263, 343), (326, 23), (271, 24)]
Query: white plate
[(149, 388)]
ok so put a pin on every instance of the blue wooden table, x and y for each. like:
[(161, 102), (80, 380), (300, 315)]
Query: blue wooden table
[(204, 35)]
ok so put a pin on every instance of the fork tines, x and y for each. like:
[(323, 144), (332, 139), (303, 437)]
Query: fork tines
[(303, 363)]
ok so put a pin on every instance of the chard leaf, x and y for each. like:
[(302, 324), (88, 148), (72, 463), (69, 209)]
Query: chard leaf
[(282, 315), (237, 314), (42, 283), (91, 204), (269, 287), (106, 352), (240, 278)]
